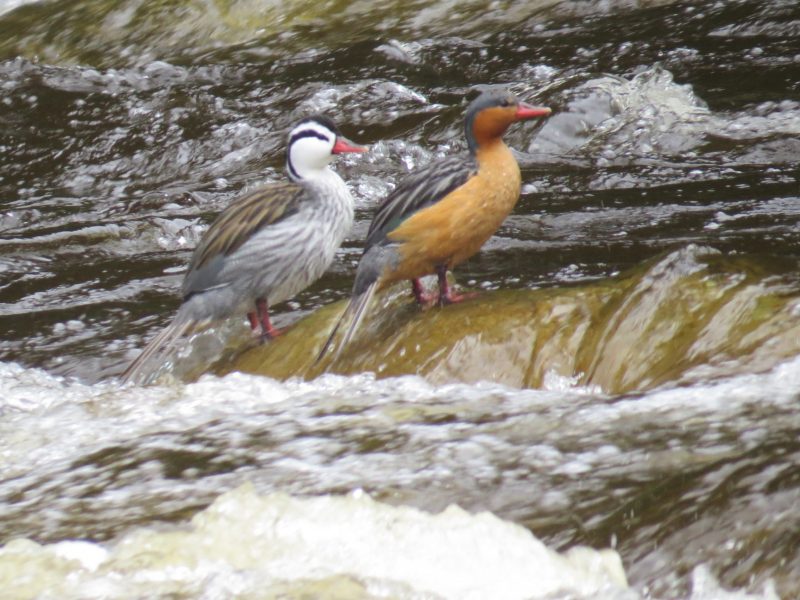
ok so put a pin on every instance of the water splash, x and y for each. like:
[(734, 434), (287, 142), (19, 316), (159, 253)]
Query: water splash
[(622, 120), (248, 545)]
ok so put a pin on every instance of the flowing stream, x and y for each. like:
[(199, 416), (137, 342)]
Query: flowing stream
[(126, 126)]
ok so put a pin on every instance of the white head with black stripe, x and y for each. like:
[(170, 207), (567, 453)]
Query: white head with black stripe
[(312, 145)]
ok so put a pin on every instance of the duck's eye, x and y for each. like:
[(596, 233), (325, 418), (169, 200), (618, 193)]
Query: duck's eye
[(506, 102)]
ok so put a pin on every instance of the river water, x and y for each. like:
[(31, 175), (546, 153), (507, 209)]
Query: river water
[(125, 127)]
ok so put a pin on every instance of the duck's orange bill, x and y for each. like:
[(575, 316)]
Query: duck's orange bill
[(343, 145), (526, 111)]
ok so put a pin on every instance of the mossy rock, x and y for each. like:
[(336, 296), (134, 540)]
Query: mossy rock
[(694, 314)]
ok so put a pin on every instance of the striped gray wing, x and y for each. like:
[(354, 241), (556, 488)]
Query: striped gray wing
[(419, 190), (236, 224)]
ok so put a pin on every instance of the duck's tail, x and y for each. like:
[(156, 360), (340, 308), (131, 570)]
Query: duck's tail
[(144, 367), (355, 312)]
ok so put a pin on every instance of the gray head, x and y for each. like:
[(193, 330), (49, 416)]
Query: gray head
[(311, 146), (490, 114)]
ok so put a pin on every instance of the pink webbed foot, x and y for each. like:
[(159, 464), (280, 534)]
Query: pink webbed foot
[(446, 293), (452, 298)]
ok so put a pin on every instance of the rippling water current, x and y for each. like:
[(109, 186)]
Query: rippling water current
[(125, 127)]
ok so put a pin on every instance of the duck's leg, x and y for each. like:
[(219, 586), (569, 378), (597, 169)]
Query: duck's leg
[(268, 332), (253, 318), (420, 295), (446, 294)]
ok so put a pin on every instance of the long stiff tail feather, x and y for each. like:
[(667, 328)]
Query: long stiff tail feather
[(143, 368), (355, 312)]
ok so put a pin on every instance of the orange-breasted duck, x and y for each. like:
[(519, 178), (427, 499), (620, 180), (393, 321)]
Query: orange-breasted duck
[(439, 216)]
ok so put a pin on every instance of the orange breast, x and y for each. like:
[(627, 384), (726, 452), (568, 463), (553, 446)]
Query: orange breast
[(455, 228)]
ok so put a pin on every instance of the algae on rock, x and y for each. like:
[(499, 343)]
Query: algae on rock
[(692, 314)]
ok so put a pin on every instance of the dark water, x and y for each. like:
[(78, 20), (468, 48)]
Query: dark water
[(674, 123)]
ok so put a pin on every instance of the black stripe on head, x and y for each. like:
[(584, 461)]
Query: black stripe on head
[(323, 121), (300, 131), (293, 174), (307, 133)]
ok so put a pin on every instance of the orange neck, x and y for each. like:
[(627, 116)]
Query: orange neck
[(488, 126)]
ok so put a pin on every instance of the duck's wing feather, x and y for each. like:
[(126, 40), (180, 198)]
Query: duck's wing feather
[(245, 216), (418, 190)]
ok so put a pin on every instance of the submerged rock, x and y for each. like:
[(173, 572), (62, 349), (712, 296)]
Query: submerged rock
[(107, 33), (693, 314)]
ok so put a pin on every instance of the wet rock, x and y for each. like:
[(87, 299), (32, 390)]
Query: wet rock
[(693, 314)]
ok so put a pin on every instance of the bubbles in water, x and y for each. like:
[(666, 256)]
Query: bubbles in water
[(624, 119), (368, 101)]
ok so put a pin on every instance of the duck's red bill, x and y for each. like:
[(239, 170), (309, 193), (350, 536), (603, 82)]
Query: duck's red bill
[(526, 111), (343, 145)]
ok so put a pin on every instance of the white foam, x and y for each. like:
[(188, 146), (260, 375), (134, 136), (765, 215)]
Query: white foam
[(706, 587), (484, 435), (246, 544), (9, 5)]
